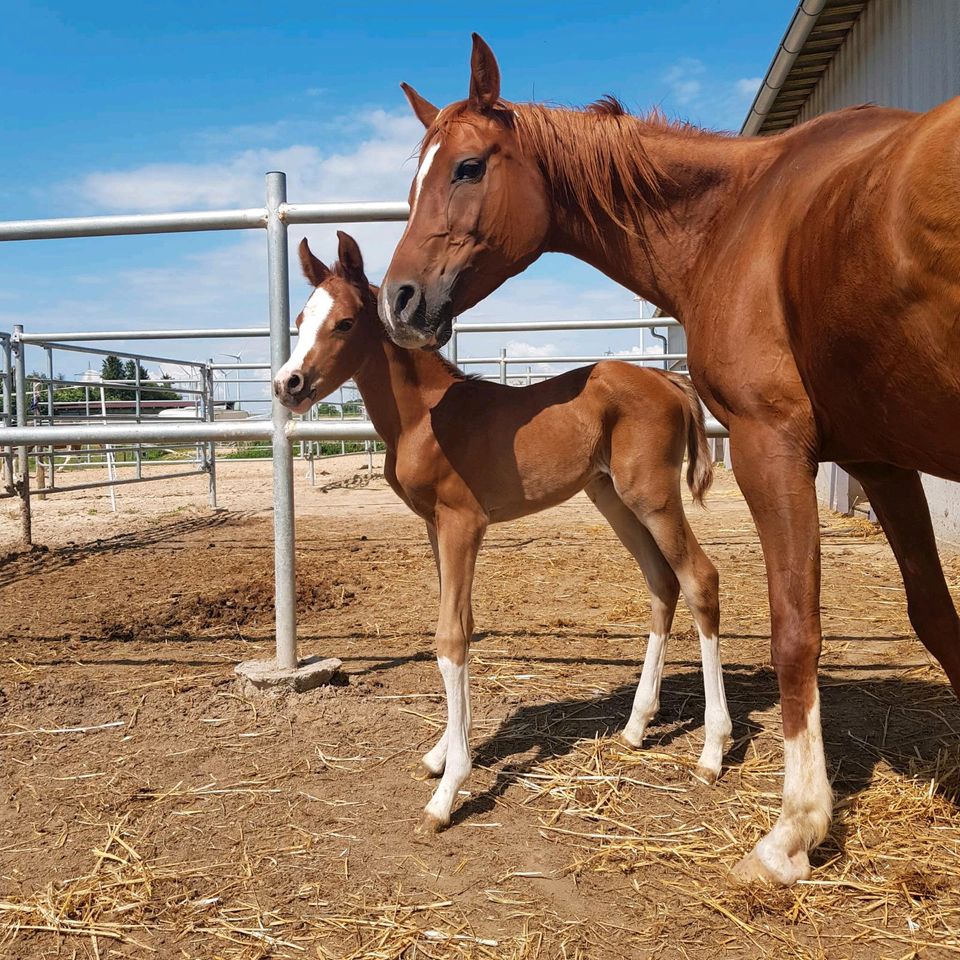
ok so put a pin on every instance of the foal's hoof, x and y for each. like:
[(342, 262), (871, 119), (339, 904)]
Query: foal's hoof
[(430, 826), (633, 738), (705, 775), (423, 772), (752, 869)]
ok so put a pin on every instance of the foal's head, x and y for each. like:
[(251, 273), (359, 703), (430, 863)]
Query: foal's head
[(337, 328), (479, 211)]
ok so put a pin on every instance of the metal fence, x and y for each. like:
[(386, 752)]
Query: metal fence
[(203, 430)]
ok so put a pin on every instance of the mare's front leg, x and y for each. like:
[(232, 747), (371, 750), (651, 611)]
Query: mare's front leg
[(459, 537), (776, 474)]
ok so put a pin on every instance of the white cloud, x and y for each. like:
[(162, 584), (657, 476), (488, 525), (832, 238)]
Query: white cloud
[(373, 168), (684, 80), (520, 348), (747, 87)]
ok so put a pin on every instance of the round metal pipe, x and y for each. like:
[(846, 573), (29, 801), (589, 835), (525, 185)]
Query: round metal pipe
[(284, 552), (535, 325), (359, 212), (130, 224)]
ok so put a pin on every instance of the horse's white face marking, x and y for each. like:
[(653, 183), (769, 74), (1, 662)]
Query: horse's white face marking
[(422, 173), (315, 313)]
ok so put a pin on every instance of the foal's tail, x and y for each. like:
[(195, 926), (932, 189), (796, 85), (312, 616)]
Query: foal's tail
[(699, 461)]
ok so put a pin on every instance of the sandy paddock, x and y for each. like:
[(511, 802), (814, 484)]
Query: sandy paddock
[(190, 822)]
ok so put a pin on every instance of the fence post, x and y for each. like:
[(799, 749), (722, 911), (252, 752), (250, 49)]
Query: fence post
[(138, 413), (503, 364), (23, 484), (52, 482), (7, 411), (212, 446), (285, 589)]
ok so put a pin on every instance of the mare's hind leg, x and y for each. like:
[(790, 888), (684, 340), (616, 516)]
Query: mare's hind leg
[(664, 590), (654, 497), (899, 500)]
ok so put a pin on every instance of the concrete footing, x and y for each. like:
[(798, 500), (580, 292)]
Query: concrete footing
[(257, 676)]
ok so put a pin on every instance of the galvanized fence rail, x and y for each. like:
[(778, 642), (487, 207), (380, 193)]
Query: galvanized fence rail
[(281, 430)]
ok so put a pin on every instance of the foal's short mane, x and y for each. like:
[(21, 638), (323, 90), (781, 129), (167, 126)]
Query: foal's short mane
[(594, 157)]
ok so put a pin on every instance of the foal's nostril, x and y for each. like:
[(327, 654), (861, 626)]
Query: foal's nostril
[(295, 382)]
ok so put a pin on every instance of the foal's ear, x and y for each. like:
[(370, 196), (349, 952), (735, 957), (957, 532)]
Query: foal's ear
[(313, 269), (484, 75), (351, 260), (426, 112)]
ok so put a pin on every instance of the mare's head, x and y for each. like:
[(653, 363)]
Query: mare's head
[(479, 211), (337, 327)]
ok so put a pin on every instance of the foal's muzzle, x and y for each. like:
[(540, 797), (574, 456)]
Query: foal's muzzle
[(292, 390)]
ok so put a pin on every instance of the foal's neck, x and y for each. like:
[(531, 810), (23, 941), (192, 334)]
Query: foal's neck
[(683, 182), (399, 386)]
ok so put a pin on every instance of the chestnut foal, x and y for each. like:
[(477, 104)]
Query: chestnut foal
[(617, 431)]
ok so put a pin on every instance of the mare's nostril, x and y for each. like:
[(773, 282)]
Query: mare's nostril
[(403, 297), (295, 382)]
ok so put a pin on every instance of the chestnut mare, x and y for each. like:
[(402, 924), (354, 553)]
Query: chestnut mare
[(615, 430), (817, 275)]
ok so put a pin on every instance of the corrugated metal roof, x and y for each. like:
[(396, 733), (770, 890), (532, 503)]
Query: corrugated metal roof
[(832, 25)]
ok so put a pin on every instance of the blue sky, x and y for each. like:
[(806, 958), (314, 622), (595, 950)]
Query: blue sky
[(120, 107)]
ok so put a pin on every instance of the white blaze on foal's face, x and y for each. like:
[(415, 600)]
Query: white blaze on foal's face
[(314, 315)]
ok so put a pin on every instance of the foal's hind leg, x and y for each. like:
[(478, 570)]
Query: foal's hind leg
[(899, 500), (655, 499), (664, 590)]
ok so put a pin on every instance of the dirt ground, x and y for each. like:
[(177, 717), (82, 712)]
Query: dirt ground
[(187, 821)]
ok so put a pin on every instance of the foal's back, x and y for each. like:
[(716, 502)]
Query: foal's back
[(529, 448)]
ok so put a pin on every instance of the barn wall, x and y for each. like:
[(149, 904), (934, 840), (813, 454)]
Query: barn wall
[(900, 53)]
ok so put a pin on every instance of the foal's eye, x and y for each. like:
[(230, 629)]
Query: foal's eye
[(469, 170), (343, 326)]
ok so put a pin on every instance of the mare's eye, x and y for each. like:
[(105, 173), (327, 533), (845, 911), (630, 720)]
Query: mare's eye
[(343, 326), (469, 170)]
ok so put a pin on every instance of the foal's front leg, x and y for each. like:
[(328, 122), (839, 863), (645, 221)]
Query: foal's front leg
[(431, 763), (459, 538)]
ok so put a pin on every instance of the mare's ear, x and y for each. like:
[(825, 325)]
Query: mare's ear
[(351, 260), (484, 75), (313, 269), (426, 112)]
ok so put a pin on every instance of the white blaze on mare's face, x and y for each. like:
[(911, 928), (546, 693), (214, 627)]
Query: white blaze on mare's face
[(386, 308), (422, 173), (315, 313)]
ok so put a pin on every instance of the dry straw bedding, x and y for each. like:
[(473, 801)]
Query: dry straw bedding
[(148, 810)]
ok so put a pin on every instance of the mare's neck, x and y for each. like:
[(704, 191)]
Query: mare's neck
[(399, 386), (684, 183)]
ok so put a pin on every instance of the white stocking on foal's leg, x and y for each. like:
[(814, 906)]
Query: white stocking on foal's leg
[(646, 701), (716, 720), (458, 540), (456, 740)]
